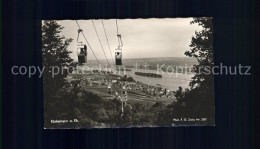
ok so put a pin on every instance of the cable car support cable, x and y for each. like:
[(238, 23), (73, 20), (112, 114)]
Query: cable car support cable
[(100, 42), (107, 41), (119, 36)]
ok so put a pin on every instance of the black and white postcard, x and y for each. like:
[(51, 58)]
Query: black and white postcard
[(121, 73)]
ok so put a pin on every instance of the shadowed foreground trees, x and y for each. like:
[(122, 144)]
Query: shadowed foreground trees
[(55, 58), (198, 101)]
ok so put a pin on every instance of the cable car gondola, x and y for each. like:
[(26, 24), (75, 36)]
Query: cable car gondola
[(118, 56), (82, 53), (118, 51), (81, 50)]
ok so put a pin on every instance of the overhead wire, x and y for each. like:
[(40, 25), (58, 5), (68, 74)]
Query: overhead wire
[(107, 40), (116, 27), (100, 42), (118, 36)]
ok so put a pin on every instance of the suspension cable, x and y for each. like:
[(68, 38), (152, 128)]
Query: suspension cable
[(119, 36), (107, 41), (79, 31), (116, 27), (100, 41)]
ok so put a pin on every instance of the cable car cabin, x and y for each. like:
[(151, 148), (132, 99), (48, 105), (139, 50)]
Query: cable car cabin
[(118, 56), (82, 53)]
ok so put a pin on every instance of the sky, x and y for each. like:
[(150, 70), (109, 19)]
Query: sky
[(142, 38)]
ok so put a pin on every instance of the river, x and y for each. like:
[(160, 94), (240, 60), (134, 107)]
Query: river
[(170, 81)]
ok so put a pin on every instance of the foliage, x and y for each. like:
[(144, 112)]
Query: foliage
[(56, 59), (198, 101), (202, 50), (55, 55), (128, 79)]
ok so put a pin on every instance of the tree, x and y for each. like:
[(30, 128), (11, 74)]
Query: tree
[(198, 101), (55, 56), (201, 96), (202, 50), (102, 115), (179, 93)]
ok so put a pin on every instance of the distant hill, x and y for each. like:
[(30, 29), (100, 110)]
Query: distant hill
[(152, 62)]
